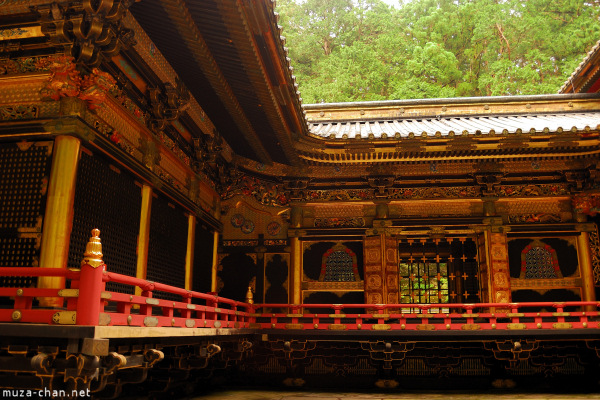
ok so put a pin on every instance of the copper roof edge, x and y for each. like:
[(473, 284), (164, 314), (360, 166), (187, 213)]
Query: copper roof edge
[(454, 100), (570, 82)]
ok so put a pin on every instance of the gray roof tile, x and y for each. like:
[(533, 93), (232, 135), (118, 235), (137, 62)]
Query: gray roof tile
[(387, 129)]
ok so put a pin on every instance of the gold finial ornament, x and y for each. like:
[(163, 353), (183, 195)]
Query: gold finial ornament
[(249, 296), (93, 251)]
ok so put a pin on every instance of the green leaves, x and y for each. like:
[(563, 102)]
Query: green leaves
[(354, 50)]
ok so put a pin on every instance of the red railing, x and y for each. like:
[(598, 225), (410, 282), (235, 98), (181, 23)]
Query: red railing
[(195, 310), (435, 317), (87, 302)]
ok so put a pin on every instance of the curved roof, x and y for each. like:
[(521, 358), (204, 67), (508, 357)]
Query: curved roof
[(455, 125), (586, 77)]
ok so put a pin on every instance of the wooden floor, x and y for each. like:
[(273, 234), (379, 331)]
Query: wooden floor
[(396, 395)]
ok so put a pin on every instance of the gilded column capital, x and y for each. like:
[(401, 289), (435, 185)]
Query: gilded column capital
[(296, 217), (296, 233), (70, 126), (586, 227), (150, 153)]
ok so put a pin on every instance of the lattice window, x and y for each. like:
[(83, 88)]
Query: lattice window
[(108, 199), (167, 246), (423, 283), (24, 171), (539, 261), (203, 254), (339, 264), (438, 271)]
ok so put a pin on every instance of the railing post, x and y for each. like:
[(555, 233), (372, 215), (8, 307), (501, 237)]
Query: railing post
[(251, 310), (212, 305), (146, 308), (89, 303)]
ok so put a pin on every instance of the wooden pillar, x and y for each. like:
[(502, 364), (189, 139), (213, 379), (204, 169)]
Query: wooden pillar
[(374, 269), (295, 288), (585, 260), (58, 218), (390, 268), (296, 270), (189, 254), (584, 256), (587, 269), (215, 263), (498, 266), (144, 235)]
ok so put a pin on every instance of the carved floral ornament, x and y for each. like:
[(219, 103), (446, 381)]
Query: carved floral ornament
[(588, 204), (66, 81), (281, 194)]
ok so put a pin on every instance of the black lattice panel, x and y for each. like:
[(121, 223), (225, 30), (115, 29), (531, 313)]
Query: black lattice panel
[(167, 247), (203, 254), (438, 270), (24, 171), (108, 199)]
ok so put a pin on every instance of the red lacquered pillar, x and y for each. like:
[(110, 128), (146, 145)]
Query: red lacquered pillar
[(89, 303)]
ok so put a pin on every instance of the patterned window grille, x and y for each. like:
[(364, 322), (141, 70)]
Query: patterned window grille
[(539, 261), (424, 283), (24, 171), (109, 199), (167, 246), (438, 271), (339, 264)]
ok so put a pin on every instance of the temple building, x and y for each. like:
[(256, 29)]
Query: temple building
[(245, 235)]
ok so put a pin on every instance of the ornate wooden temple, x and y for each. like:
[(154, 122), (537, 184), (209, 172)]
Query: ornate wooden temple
[(246, 236)]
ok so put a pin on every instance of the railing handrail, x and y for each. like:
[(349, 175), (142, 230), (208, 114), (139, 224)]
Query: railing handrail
[(86, 300), (427, 306), (37, 271), (147, 285), (433, 316)]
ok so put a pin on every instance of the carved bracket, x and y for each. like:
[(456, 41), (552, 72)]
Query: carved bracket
[(389, 353), (292, 349), (382, 184), (295, 188), (489, 182), (512, 351), (577, 180), (167, 104), (88, 30)]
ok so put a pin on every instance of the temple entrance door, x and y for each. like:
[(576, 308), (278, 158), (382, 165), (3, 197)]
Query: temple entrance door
[(438, 270)]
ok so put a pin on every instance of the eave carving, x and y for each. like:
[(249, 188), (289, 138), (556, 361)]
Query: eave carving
[(210, 161), (88, 30), (167, 103), (66, 81), (586, 203), (208, 148), (266, 193)]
